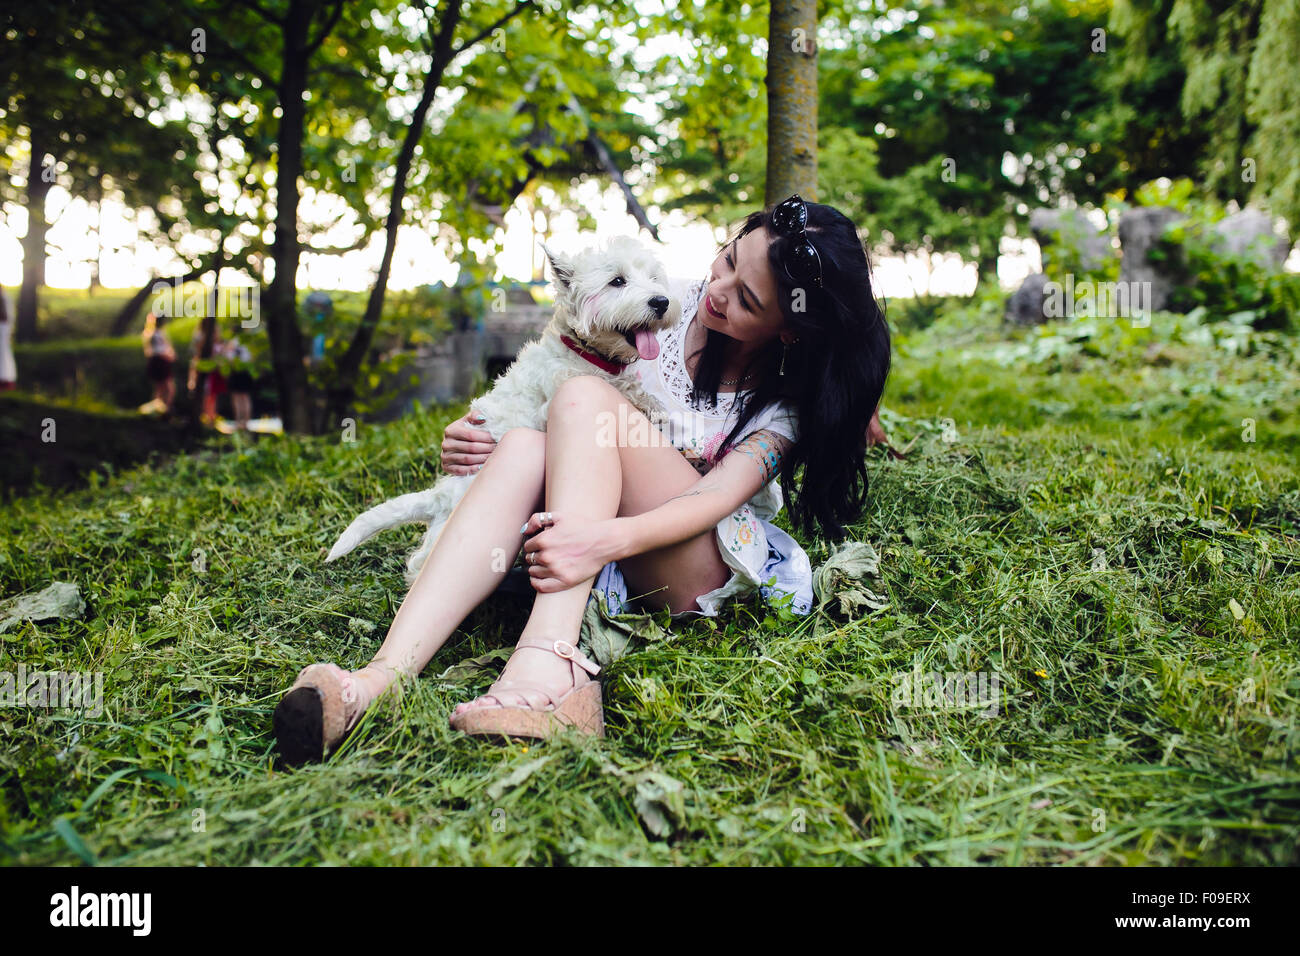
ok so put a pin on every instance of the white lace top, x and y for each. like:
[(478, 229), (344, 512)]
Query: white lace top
[(698, 431)]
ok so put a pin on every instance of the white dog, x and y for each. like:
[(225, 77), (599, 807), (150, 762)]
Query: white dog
[(609, 304)]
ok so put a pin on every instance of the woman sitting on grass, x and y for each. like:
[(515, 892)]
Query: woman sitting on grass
[(682, 521)]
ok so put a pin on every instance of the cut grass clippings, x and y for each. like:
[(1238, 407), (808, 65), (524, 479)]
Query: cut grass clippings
[(1086, 525)]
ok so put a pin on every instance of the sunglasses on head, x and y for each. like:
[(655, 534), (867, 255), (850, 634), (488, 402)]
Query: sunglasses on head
[(802, 263)]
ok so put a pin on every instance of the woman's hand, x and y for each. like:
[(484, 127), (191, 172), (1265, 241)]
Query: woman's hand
[(464, 447), (568, 550)]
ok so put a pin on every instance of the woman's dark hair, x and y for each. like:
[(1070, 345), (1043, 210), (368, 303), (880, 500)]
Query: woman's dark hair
[(834, 375)]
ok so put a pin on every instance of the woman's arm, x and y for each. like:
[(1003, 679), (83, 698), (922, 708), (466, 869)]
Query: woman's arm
[(728, 485)]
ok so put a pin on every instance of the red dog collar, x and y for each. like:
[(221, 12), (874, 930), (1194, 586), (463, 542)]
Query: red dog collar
[(599, 361)]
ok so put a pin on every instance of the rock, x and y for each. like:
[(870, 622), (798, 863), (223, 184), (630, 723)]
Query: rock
[(1250, 233), (1139, 229), (1025, 307), (1070, 235)]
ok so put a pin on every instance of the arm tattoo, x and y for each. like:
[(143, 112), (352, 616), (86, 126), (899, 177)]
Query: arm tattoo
[(699, 489), (765, 447)]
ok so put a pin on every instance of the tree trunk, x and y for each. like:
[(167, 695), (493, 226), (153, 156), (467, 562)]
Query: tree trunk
[(99, 247), (218, 263), (282, 305), (34, 242), (792, 100)]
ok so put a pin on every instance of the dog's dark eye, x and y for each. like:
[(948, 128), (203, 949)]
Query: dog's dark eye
[(617, 281)]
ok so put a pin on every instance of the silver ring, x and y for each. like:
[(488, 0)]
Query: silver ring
[(548, 518), (531, 555)]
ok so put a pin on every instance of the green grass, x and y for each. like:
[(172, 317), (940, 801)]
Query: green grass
[(1091, 527), (64, 315)]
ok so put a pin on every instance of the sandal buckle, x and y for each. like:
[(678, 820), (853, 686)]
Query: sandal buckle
[(574, 656)]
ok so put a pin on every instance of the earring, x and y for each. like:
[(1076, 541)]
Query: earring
[(784, 352)]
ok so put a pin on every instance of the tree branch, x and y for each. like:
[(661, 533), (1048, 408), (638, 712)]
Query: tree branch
[(487, 31), (326, 29), (234, 54), (264, 13), (340, 250)]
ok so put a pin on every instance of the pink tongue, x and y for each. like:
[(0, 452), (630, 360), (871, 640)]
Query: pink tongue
[(647, 346)]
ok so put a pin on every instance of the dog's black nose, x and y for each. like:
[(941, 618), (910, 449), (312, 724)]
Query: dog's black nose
[(660, 304)]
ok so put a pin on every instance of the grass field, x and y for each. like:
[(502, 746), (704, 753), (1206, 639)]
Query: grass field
[(1102, 520)]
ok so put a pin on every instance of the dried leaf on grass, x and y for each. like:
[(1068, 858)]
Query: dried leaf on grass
[(473, 668), (844, 575), (660, 799), (61, 599), (606, 637), (517, 776)]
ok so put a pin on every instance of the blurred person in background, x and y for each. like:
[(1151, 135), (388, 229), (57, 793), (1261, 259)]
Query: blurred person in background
[(160, 359)]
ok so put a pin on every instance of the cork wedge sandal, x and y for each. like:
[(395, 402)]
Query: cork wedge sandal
[(319, 711), (579, 706)]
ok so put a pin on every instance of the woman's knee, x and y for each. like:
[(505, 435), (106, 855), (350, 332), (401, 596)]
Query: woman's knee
[(580, 391)]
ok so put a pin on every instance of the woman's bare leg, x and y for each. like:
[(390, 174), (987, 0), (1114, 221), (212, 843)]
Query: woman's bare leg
[(474, 552), (586, 477)]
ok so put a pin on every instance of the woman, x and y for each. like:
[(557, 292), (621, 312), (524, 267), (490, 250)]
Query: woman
[(160, 356), (206, 385), (240, 382), (788, 313), (8, 369)]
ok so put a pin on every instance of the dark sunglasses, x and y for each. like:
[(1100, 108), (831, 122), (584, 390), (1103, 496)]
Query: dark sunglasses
[(802, 263)]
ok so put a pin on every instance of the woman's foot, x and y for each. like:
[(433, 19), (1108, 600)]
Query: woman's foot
[(537, 693), (324, 705), (544, 671), (361, 688), (532, 700)]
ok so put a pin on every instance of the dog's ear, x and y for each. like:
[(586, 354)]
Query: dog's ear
[(560, 265)]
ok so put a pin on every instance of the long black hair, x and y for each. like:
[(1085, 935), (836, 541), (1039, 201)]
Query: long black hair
[(834, 374)]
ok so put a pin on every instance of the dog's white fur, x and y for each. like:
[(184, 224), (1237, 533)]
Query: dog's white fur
[(588, 309)]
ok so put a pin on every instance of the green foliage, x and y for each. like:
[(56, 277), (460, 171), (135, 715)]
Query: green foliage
[(1066, 252), (914, 313), (91, 442), (1245, 288), (1178, 194), (103, 370), (410, 319), (946, 91), (1237, 286), (1229, 68)]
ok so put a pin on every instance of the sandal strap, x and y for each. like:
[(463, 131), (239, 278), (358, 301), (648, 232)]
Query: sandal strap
[(562, 648), (515, 686)]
